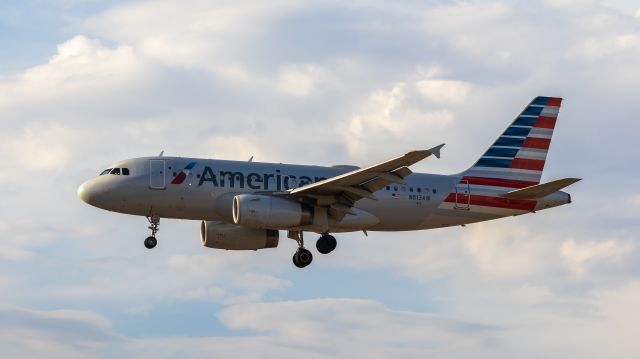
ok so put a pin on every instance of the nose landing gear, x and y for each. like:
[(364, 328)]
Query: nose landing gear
[(154, 226)]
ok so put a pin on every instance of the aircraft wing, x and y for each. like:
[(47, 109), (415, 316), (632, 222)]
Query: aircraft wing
[(341, 192)]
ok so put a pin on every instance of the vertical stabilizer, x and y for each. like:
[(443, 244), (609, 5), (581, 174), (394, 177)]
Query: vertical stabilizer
[(516, 159)]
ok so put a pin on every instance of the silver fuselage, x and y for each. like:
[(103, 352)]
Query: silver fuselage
[(164, 187)]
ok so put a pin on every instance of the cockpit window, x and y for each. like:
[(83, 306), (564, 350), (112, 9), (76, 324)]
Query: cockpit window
[(115, 171)]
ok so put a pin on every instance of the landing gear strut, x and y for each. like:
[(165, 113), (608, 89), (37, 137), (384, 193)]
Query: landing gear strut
[(326, 243), (303, 256), (154, 226)]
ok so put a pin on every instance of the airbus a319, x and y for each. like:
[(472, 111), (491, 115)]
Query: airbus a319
[(245, 205)]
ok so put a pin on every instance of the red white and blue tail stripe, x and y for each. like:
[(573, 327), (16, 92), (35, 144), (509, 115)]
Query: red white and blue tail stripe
[(515, 160)]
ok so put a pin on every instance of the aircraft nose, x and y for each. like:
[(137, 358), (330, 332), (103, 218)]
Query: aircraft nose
[(86, 192)]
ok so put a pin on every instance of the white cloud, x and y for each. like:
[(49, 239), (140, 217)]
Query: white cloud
[(81, 64), (239, 148), (299, 81), (443, 90), (203, 35), (388, 117), (580, 256), (367, 329), (55, 334), (40, 149), (352, 84), (508, 249)]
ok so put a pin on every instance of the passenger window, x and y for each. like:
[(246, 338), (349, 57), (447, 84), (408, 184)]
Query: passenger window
[(395, 188), (388, 188), (115, 171), (105, 171), (125, 171), (410, 189), (419, 189), (434, 191)]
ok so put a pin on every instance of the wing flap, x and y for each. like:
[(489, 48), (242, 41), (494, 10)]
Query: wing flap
[(540, 190)]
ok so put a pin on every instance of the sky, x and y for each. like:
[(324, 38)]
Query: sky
[(86, 83)]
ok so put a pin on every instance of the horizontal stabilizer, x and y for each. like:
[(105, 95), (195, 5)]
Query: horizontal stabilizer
[(541, 190)]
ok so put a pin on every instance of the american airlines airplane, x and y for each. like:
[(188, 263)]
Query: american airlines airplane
[(244, 205)]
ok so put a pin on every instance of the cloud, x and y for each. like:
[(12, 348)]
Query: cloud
[(390, 116), (362, 324), (55, 334), (507, 250), (80, 64), (301, 80), (595, 255), (321, 83), (41, 149), (443, 90)]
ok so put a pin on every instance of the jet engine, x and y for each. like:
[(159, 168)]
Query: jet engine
[(229, 236), (259, 211)]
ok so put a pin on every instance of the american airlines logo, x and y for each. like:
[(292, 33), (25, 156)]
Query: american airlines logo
[(236, 179), (252, 180), (180, 177)]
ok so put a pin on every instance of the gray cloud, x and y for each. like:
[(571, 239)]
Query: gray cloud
[(362, 82)]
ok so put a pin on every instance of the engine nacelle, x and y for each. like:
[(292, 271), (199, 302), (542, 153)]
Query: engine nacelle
[(259, 211), (228, 236)]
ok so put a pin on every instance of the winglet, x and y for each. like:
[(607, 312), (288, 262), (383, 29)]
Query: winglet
[(436, 150)]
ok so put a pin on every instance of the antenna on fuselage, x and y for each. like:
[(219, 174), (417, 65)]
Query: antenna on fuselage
[(161, 153), (251, 159)]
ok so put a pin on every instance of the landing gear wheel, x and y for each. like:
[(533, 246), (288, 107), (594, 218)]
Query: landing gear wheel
[(302, 258), (150, 242), (326, 244), (154, 224)]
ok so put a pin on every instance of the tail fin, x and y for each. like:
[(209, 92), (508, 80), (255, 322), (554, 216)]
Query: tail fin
[(518, 156)]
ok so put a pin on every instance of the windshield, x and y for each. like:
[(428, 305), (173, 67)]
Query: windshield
[(115, 171)]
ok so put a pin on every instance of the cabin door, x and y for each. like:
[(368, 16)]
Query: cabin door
[(157, 174)]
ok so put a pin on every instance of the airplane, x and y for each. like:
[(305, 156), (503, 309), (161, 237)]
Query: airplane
[(242, 205)]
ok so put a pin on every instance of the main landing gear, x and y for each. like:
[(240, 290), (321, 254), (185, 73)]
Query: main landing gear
[(326, 243), (154, 226), (303, 257)]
